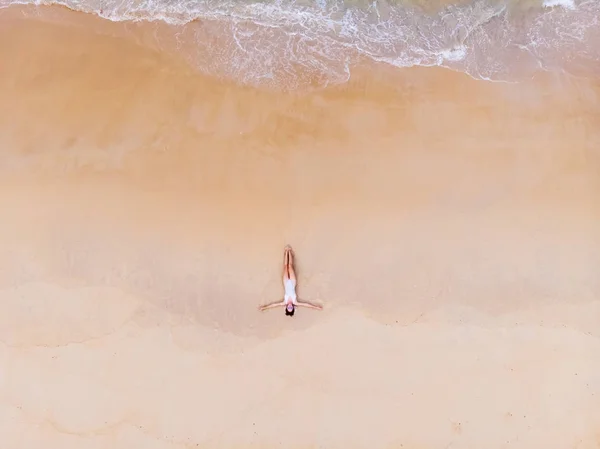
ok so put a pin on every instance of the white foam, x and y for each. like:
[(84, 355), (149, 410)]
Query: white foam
[(268, 38), (567, 4), (454, 54)]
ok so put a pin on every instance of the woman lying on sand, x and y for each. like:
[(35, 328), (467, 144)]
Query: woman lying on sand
[(290, 300)]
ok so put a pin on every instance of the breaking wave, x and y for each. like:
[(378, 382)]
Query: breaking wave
[(295, 43)]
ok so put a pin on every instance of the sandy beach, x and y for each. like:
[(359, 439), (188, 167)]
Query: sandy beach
[(449, 227)]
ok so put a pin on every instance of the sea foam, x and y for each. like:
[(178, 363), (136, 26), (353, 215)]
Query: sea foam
[(293, 43)]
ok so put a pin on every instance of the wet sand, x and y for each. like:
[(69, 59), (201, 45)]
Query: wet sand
[(449, 227)]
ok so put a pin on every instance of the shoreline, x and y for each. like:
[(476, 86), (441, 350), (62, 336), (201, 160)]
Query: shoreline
[(279, 60), (225, 157)]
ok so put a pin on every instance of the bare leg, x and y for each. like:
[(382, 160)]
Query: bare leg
[(286, 256), (288, 264), (285, 263), (290, 270)]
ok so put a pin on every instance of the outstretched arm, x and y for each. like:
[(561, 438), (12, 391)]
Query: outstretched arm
[(301, 303), (270, 306)]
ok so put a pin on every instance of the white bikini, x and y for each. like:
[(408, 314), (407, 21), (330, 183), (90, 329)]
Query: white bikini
[(290, 291)]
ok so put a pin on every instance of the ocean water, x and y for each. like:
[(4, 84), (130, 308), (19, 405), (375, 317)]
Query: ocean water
[(295, 43)]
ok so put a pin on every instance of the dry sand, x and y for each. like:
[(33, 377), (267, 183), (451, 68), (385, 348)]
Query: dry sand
[(450, 227)]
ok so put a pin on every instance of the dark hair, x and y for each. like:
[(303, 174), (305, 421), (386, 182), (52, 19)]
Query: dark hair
[(288, 313)]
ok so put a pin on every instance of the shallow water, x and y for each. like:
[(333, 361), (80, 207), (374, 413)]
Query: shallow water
[(291, 44)]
